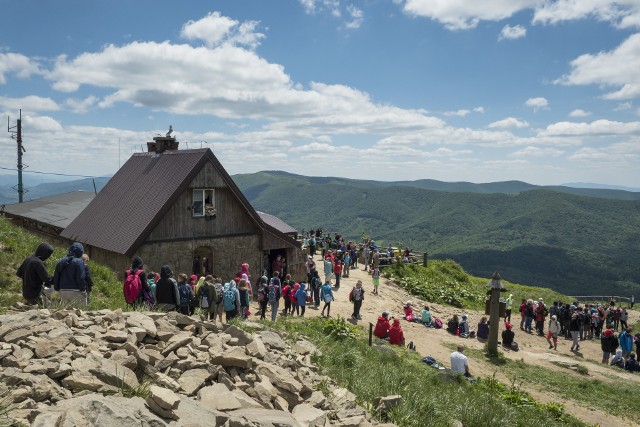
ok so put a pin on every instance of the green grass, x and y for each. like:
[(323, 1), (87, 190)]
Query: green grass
[(429, 397)]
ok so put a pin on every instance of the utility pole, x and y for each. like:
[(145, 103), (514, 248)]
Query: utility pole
[(16, 133)]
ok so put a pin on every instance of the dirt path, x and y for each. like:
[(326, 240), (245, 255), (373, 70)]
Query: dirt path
[(437, 342)]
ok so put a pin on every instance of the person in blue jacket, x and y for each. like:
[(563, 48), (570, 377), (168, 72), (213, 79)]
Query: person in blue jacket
[(301, 297), (326, 295), (69, 277), (626, 342)]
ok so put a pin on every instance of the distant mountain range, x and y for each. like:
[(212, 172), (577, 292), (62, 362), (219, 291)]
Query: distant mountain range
[(574, 240), (36, 189)]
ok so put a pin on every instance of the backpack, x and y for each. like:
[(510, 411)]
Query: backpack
[(273, 292), (260, 294), (219, 292), (183, 289), (437, 323), (203, 297), (132, 286), (229, 300), (351, 296)]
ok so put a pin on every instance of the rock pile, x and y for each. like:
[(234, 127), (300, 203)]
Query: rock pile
[(109, 368)]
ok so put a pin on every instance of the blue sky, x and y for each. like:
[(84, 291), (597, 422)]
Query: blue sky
[(546, 92)]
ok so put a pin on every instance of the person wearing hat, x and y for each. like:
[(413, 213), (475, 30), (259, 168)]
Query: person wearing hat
[(609, 344), (464, 326), (507, 313), (507, 336), (553, 331)]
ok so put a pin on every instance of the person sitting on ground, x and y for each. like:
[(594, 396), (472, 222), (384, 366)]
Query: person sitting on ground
[(396, 336), (408, 312), (452, 324), (459, 362), (382, 326), (618, 360), (507, 336), (631, 364), (483, 329), (464, 327), (426, 316), (609, 344)]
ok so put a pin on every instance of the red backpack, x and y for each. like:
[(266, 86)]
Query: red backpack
[(132, 286)]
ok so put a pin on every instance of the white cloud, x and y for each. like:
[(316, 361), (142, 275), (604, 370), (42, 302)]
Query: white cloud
[(29, 103), (537, 103), (21, 65), (215, 29), (357, 16), (626, 153), (80, 106), (465, 14), (531, 151), (509, 122), (617, 68), (622, 13), (595, 128), (314, 6), (511, 33), (579, 113), (479, 110), (624, 106), (457, 113)]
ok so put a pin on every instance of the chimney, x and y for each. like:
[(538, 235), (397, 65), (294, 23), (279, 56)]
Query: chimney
[(163, 143)]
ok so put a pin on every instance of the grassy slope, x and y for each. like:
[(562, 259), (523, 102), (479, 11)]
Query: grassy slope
[(571, 243)]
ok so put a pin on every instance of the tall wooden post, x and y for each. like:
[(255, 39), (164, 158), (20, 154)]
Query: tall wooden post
[(494, 313)]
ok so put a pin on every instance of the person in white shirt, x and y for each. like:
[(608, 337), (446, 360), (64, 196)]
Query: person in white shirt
[(459, 363)]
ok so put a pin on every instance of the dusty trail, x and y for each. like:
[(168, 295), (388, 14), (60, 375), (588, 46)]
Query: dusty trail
[(437, 342)]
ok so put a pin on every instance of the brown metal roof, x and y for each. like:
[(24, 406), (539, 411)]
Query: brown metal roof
[(58, 210), (136, 198), (277, 223)]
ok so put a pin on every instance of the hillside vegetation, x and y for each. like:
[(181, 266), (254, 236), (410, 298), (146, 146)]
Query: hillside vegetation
[(574, 244)]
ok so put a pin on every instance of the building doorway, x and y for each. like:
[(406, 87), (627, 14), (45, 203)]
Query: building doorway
[(202, 261)]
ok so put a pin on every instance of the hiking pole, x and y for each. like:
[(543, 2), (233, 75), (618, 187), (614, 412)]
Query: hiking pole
[(370, 334)]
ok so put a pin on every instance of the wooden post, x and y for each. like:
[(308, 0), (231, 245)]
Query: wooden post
[(494, 314), (424, 259), (370, 334)]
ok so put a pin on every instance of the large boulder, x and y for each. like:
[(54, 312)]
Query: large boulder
[(193, 379), (234, 357), (309, 416), (218, 397)]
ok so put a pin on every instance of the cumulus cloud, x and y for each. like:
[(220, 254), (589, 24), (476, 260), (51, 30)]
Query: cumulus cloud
[(597, 127), (623, 106), (29, 103), (620, 153), (617, 68), (509, 122), (579, 113), (357, 16), (19, 64), (479, 110), (537, 103), (511, 33), (622, 13), (457, 113), (532, 151), (80, 106), (215, 29), (314, 6)]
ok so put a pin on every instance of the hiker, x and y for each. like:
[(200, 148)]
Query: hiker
[(507, 313), (523, 313), (244, 270), (88, 276), (382, 326), (463, 327), (337, 272), (316, 285), (366, 253), (426, 316), (357, 296), (311, 268), (483, 329), (529, 313), (206, 296), (301, 297), (631, 364), (231, 300), (263, 300), (396, 336), (553, 331), (408, 312), (459, 362), (540, 315), (69, 277), (244, 298), (328, 269), (136, 284), (574, 328), (326, 295), (626, 342), (609, 344), (293, 298), (167, 294), (273, 294), (287, 286), (452, 325), (624, 317), (376, 280), (618, 359), (36, 282), (186, 295), (347, 264), (507, 336), (632, 301), (152, 279), (277, 265)]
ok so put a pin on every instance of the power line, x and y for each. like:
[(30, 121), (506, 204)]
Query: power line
[(51, 173)]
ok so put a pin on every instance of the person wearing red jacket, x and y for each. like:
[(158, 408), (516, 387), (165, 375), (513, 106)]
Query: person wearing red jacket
[(396, 336), (382, 326)]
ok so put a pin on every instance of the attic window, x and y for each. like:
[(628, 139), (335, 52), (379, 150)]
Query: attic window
[(203, 202)]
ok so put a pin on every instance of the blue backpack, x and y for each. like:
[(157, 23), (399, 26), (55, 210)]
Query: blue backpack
[(184, 294), (229, 300)]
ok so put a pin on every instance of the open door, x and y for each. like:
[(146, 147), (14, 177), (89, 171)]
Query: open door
[(202, 261)]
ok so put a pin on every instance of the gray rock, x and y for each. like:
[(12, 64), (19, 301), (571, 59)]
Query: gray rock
[(304, 347), (177, 341), (192, 380), (18, 335), (115, 336), (272, 340), (140, 320), (235, 356), (114, 374), (256, 348), (266, 417), (279, 377), (387, 403), (164, 397), (158, 410), (242, 337), (309, 416), (218, 397)]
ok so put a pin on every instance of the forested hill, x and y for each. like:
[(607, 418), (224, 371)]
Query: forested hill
[(574, 244)]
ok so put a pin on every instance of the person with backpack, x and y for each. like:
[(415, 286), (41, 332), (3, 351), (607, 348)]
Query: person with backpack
[(541, 314), (326, 295), (357, 297), (207, 296), (337, 272), (609, 344), (273, 294), (294, 299), (243, 293), (347, 264), (152, 279), (167, 293), (553, 331), (301, 298), (626, 342), (287, 286), (69, 277), (316, 285), (186, 295), (136, 285), (36, 282), (231, 300), (263, 300)]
